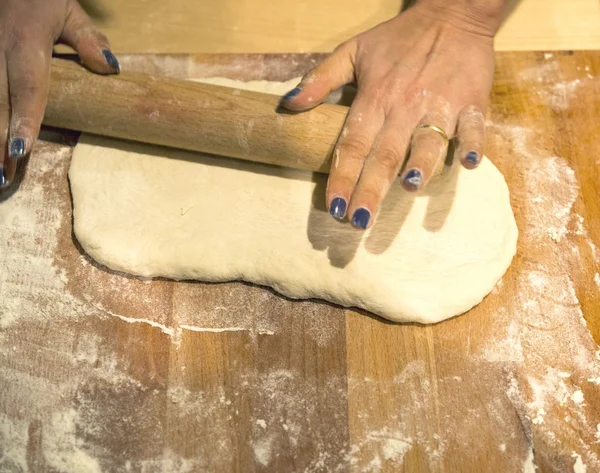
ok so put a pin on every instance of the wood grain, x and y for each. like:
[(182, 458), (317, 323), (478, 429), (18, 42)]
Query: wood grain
[(286, 26), (122, 374)]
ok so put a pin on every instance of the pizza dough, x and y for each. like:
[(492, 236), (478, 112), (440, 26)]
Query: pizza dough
[(156, 212)]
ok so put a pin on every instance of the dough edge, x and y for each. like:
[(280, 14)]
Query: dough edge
[(94, 242)]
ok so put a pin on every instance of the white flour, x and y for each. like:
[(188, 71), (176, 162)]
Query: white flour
[(559, 95), (547, 303), (529, 466)]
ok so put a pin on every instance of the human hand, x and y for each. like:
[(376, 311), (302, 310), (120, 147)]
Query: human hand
[(28, 31), (424, 67)]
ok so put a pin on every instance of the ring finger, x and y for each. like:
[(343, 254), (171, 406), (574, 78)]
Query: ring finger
[(429, 145)]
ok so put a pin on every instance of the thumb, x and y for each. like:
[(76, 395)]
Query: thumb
[(92, 46), (334, 72)]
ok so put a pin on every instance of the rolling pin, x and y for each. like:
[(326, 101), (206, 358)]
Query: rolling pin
[(192, 116)]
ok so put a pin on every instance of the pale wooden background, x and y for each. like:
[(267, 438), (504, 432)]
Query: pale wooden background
[(280, 26)]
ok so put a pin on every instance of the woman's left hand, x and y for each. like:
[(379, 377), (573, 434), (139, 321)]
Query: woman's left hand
[(424, 67)]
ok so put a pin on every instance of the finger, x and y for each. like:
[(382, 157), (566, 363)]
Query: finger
[(471, 136), (380, 171), (7, 166), (428, 148), (354, 144), (334, 72), (92, 46), (28, 79)]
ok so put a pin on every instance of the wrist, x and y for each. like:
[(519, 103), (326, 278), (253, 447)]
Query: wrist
[(482, 17)]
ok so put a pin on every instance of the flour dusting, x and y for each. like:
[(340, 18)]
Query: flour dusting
[(578, 467), (28, 240), (551, 86), (61, 449), (262, 451), (543, 331), (529, 466)]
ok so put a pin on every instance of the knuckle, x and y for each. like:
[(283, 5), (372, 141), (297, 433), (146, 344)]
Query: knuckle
[(340, 47), (345, 48), (379, 97), (414, 93), (473, 142), (473, 110), (24, 89), (100, 37), (388, 158), (354, 146), (474, 135), (341, 183), (95, 35), (309, 76), (80, 27), (22, 123), (19, 34), (423, 157), (472, 118)]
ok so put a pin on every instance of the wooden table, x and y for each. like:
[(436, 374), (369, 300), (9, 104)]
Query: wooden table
[(285, 26), (104, 372)]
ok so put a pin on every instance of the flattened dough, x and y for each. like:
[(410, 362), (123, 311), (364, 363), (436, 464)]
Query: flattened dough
[(159, 212)]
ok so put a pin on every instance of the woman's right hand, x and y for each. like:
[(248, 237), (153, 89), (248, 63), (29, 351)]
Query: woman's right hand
[(28, 31)]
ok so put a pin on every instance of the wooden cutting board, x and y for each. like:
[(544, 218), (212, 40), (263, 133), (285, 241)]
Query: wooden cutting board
[(101, 371)]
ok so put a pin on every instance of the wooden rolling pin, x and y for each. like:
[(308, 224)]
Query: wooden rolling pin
[(192, 116)]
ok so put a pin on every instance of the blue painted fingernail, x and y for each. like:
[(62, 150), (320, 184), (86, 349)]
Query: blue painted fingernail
[(472, 158), (17, 148), (337, 209), (111, 60), (413, 179), (361, 218), (2, 178), (291, 94)]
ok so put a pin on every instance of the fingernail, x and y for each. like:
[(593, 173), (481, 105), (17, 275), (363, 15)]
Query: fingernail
[(111, 60), (361, 218), (472, 158), (337, 209), (2, 178), (413, 179), (291, 94), (17, 148)]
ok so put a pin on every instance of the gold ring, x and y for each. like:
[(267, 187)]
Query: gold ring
[(437, 129)]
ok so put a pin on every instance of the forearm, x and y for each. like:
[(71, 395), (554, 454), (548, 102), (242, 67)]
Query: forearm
[(482, 16)]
